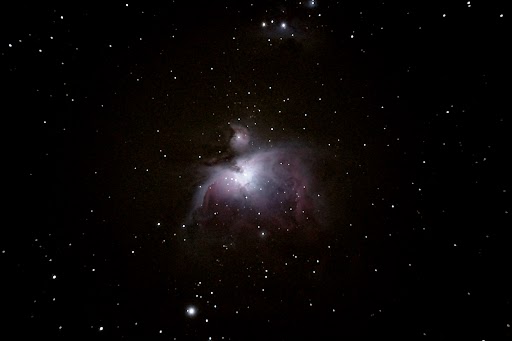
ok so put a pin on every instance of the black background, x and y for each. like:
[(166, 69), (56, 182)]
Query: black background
[(410, 116)]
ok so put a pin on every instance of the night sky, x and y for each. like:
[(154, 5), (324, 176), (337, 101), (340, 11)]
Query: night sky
[(238, 170)]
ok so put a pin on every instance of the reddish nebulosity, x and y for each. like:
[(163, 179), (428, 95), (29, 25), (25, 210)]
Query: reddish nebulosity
[(257, 188)]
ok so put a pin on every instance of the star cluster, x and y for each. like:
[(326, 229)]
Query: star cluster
[(238, 170)]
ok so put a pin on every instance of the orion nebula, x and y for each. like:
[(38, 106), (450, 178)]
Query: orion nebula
[(251, 187), (256, 170)]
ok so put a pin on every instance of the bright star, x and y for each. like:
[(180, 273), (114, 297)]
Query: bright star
[(191, 311)]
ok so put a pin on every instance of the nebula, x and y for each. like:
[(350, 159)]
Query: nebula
[(269, 188)]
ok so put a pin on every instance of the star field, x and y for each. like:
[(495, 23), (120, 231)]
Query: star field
[(240, 170)]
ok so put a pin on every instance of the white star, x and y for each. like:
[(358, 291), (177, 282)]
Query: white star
[(191, 311)]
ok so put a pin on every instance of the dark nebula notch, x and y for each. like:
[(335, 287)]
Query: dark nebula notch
[(269, 189)]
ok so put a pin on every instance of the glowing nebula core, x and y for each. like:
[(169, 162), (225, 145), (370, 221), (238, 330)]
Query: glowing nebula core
[(255, 187)]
